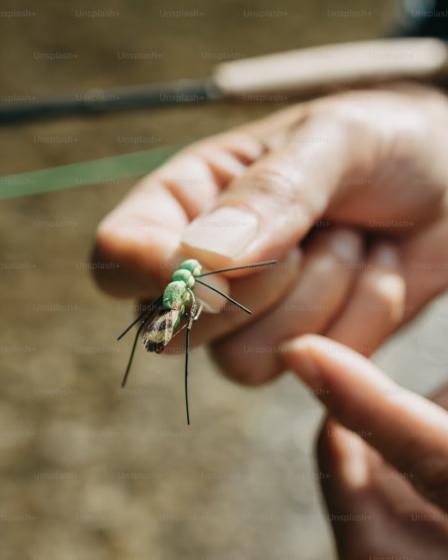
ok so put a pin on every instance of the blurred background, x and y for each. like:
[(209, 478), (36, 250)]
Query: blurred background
[(89, 472)]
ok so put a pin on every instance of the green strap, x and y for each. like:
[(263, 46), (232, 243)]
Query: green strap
[(98, 172)]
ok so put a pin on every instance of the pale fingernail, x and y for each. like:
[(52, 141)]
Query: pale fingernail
[(303, 363), (226, 231), (212, 301), (353, 463), (206, 307), (346, 244)]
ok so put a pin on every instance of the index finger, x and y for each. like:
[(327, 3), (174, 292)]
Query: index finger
[(141, 237), (408, 430)]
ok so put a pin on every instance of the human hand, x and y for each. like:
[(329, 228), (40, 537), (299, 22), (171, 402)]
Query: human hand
[(373, 161), (382, 454)]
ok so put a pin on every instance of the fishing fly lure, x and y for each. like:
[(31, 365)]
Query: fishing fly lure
[(172, 306)]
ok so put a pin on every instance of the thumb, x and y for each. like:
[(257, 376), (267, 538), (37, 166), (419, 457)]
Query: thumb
[(271, 207)]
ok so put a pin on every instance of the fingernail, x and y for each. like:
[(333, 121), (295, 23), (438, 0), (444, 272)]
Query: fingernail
[(206, 306), (226, 231), (212, 302), (302, 362), (346, 244)]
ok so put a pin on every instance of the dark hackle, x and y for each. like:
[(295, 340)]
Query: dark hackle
[(266, 263), (187, 347), (191, 318), (154, 304), (224, 295), (123, 383)]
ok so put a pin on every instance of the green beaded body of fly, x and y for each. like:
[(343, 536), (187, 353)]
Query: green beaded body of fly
[(176, 297), (172, 306), (176, 293)]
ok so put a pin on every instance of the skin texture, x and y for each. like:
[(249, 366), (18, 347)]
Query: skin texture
[(370, 163)]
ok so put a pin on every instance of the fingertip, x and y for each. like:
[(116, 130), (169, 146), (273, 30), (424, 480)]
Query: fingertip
[(325, 352), (298, 355), (106, 257), (294, 349), (337, 445), (344, 464), (127, 263), (323, 363)]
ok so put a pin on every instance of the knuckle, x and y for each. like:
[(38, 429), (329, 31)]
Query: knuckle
[(276, 178), (351, 114), (280, 185), (229, 142), (347, 117)]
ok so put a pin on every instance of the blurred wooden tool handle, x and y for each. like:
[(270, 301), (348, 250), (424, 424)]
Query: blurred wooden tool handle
[(330, 67)]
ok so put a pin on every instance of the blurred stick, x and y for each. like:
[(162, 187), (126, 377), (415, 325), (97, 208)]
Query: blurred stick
[(276, 77)]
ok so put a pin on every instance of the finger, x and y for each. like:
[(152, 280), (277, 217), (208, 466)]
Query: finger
[(140, 238), (250, 355), (278, 198), (345, 463), (368, 158), (370, 504), (377, 302), (408, 430), (137, 245)]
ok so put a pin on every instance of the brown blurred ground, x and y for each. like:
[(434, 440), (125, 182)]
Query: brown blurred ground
[(96, 474)]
